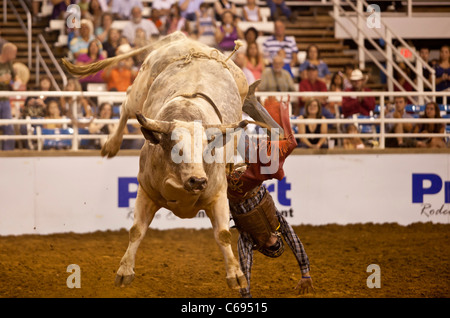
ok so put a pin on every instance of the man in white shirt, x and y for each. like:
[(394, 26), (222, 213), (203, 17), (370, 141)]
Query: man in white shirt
[(129, 30), (121, 9)]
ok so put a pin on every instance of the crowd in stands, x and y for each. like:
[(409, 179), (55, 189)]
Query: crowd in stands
[(215, 24)]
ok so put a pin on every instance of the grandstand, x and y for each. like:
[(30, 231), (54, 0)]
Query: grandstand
[(43, 41)]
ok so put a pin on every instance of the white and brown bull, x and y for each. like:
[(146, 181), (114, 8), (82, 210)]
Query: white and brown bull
[(180, 83)]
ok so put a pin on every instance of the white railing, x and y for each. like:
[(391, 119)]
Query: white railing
[(380, 120)]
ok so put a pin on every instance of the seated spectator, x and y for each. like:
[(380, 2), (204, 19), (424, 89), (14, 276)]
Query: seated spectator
[(424, 53), (53, 111), (121, 9), (348, 69), (79, 44), (121, 76), (7, 56), (176, 22), (352, 142), (250, 35), (278, 41), (105, 112), (254, 60), (442, 69), (357, 105), (102, 31), (240, 60), (251, 12), (276, 79), (401, 79), (279, 9), (313, 58), (400, 128), (75, 107), (311, 83), (228, 32), (313, 110), (163, 8), (112, 43), (431, 111), (220, 6), (155, 17), (137, 22), (206, 25), (334, 103), (19, 83), (188, 8), (94, 54), (95, 14), (35, 105)]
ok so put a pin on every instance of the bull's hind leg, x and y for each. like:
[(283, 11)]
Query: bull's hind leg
[(144, 212), (220, 218)]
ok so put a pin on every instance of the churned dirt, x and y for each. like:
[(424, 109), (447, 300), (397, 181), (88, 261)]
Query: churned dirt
[(413, 260)]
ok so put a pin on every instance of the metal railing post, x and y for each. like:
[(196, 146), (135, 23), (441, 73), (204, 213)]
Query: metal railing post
[(360, 36)]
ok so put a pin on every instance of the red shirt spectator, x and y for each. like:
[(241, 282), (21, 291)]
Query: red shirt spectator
[(357, 105), (312, 83)]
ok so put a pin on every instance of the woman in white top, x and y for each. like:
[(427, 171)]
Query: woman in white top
[(251, 11)]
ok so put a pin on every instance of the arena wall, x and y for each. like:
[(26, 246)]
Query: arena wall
[(65, 193)]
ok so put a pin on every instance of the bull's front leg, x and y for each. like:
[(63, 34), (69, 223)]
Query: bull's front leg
[(144, 212), (220, 218)]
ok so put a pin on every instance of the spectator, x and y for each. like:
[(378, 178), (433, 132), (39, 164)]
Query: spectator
[(357, 105), (136, 22), (311, 83), (352, 142), (112, 43), (53, 111), (94, 54), (240, 60), (228, 32), (424, 53), (400, 128), (121, 76), (275, 78), (75, 107), (313, 58), (121, 9), (35, 106), (402, 79), (95, 14), (279, 9), (188, 8), (313, 110), (348, 69), (79, 45), (431, 111), (7, 55), (251, 12), (334, 103), (220, 6), (175, 21), (163, 8), (255, 60), (155, 17), (206, 25), (250, 35), (443, 71), (2, 41), (102, 31), (279, 41), (105, 112)]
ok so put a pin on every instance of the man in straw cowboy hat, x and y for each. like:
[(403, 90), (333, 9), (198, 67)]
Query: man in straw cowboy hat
[(357, 104)]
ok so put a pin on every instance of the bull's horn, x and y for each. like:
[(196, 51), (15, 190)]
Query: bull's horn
[(160, 126)]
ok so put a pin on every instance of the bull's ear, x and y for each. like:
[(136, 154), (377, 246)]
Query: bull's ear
[(151, 136)]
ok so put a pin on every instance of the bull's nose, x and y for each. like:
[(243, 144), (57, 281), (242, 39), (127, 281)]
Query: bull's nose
[(194, 183)]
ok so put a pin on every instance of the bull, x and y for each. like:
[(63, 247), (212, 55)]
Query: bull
[(180, 83)]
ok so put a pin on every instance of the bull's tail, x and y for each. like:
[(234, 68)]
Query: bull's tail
[(85, 70)]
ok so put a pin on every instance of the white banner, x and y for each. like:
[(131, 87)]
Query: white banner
[(42, 195)]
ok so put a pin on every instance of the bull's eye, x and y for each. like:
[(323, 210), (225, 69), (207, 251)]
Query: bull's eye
[(180, 152)]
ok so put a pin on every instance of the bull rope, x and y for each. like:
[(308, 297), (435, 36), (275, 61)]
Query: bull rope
[(213, 55)]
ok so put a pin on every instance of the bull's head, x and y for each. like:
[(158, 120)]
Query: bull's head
[(187, 149)]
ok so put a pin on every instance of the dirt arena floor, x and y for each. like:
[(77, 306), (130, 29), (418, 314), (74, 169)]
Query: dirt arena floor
[(414, 262)]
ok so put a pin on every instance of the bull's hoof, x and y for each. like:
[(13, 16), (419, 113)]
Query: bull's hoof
[(124, 276), (237, 282), (110, 148), (122, 281)]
